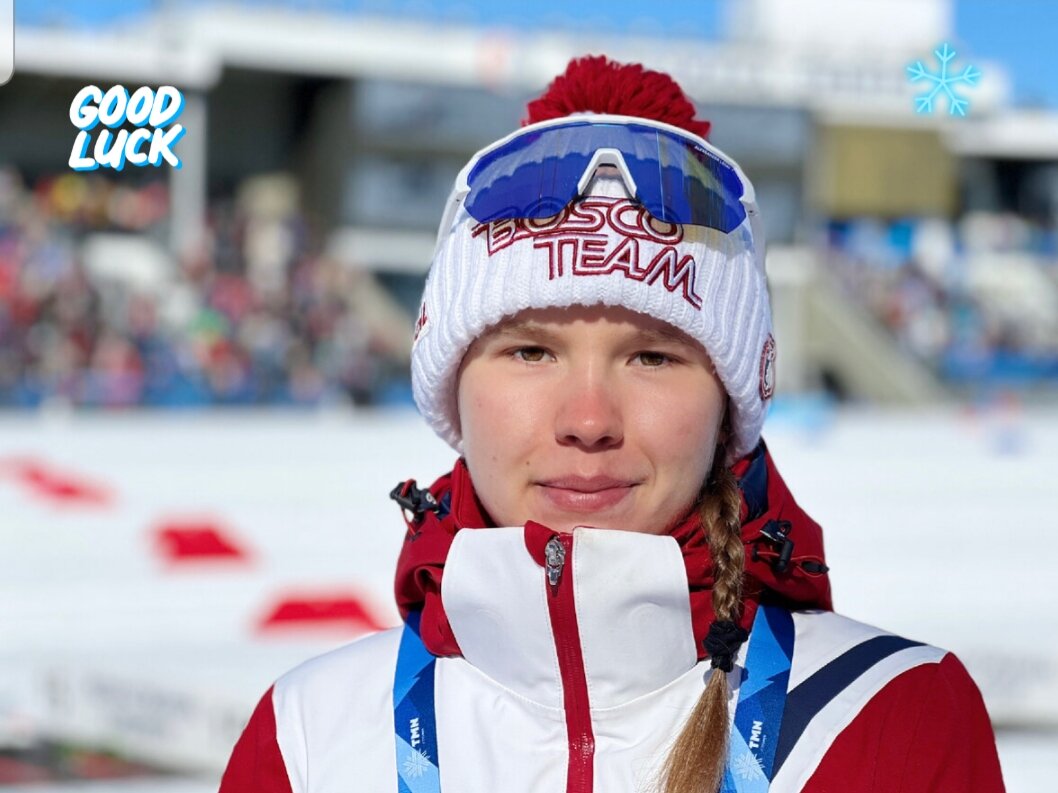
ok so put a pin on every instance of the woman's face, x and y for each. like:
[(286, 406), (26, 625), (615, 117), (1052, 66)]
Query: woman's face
[(588, 416)]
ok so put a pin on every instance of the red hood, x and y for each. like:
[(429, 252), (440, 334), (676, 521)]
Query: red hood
[(769, 513)]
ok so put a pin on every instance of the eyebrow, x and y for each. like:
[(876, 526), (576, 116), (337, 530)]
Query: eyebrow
[(534, 329)]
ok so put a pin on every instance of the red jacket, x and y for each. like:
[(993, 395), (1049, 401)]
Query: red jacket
[(912, 720)]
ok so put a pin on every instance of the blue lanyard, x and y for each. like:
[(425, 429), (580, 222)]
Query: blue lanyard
[(761, 701), (414, 716), (754, 739)]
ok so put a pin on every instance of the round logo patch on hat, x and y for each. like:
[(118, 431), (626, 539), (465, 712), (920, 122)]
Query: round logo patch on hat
[(767, 368), (421, 323)]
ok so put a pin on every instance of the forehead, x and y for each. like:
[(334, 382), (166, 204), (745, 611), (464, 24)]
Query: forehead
[(615, 319)]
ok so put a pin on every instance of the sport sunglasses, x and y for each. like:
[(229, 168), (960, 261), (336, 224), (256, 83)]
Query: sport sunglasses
[(536, 171)]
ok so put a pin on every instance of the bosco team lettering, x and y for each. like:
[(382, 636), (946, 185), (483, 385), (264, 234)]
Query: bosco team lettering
[(578, 240)]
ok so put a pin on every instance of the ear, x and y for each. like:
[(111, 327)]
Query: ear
[(725, 434)]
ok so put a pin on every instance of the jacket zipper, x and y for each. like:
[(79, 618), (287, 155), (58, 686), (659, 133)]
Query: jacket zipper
[(558, 553)]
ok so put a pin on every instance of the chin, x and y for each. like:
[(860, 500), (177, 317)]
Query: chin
[(566, 523)]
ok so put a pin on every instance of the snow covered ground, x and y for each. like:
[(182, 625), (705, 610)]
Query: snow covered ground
[(159, 571)]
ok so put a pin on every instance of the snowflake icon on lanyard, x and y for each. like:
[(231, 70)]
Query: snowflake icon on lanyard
[(957, 106), (747, 768), (416, 763)]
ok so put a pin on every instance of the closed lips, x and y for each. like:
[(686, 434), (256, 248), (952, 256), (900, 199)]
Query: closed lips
[(587, 484)]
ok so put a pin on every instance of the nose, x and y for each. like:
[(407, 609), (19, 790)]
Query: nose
[(589, 411)]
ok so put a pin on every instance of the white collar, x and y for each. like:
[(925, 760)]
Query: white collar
[(632, 604)]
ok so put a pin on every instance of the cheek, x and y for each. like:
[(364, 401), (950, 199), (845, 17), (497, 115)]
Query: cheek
[(501, 433), (499, 415), (683, 431), (681, 422), (688, 446)]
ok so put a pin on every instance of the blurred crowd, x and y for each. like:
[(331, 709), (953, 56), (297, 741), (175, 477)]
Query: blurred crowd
[(976, 299), (94, 311)]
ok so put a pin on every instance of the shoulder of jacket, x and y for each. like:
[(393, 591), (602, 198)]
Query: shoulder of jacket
[(839, 664), (344, 668), (823, 637), (340, 698)]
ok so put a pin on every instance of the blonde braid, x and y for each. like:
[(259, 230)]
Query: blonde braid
[(696, 762)]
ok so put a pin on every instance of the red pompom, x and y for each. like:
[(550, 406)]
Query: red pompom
[(596, 84)]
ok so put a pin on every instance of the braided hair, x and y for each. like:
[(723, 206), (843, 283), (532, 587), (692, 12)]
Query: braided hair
[(696, 762)]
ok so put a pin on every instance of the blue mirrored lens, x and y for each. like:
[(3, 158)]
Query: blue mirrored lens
[(535, 175)]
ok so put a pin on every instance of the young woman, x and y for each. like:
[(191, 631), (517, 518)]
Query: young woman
[(612, 590)]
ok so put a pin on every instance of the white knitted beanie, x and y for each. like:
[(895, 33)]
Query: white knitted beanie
[(709, 284), (603, 249)]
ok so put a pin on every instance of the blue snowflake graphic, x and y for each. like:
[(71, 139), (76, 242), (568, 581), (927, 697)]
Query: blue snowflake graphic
[(943, 82)]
